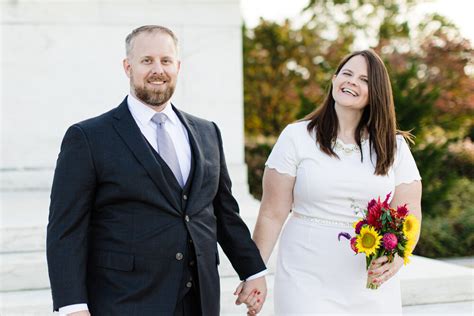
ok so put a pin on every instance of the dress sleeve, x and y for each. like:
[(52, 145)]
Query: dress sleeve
[(405, 167), (283, 157)]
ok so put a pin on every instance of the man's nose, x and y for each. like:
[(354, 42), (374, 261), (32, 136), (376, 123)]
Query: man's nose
[(157, 68)]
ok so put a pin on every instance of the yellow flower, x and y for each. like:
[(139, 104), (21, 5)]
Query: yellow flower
[(408, 250), (369, 240), (406, 259), (411, 226)]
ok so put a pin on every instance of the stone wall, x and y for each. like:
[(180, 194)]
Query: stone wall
[(61, 62)]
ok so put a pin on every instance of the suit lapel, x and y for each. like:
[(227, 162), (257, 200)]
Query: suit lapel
[(198, 156), (127, 128)]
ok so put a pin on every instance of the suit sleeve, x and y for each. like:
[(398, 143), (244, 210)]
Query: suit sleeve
[(232, 233), (72, 197)]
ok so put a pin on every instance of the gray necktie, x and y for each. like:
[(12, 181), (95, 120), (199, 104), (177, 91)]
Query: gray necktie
[(166, 148)]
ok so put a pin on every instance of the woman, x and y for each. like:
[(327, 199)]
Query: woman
[(323, 168)]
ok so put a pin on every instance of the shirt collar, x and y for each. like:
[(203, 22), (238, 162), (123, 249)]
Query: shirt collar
[(144, 114)]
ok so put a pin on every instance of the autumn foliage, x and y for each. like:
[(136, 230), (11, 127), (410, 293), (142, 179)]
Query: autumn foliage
[(288, 67)]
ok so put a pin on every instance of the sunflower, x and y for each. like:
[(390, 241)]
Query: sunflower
[(368, 241), (411, 226), (408, 250)]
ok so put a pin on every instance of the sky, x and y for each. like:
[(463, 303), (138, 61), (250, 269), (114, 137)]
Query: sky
[(458, 11)]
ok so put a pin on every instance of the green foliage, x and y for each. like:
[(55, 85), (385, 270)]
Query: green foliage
[(256, 154), (447, 237), (414, 99), (451, 234), (287, 71), (438, 181), (279, 69)]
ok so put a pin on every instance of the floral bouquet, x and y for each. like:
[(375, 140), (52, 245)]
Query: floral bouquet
[(384, 231)]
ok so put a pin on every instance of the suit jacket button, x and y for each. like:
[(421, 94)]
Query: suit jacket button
[(189, 284), (179, 256), (185, 197), (186, 218)]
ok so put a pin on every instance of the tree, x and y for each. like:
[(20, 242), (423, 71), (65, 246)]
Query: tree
[(287, 70)]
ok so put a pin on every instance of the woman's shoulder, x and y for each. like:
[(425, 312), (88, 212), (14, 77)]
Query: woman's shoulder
[(400, 138), (296, 128), (403, 148), (402, 142)]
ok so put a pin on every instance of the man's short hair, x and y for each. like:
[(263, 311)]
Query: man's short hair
[(148, 29)]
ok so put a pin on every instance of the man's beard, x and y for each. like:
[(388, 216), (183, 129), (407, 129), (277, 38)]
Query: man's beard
[(152, 97)]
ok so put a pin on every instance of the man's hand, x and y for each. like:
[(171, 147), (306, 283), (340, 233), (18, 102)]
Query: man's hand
[(81, 313), (253, 294)]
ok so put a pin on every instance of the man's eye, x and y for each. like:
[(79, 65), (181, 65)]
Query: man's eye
[(146, 61)]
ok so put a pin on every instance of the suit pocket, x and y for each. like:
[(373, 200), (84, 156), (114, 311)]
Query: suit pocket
[(112, 260)]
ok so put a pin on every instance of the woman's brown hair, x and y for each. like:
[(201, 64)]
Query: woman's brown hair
[(378, 116)]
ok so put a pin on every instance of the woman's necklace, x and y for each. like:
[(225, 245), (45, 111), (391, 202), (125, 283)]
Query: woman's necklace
[(339, 146)]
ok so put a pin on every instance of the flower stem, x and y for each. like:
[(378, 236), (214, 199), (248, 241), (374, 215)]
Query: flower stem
[(371, 285)]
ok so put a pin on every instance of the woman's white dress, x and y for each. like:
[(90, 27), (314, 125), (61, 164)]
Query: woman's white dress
[(316, 274)]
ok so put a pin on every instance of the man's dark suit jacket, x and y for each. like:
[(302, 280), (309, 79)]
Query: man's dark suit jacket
[(118, 224)]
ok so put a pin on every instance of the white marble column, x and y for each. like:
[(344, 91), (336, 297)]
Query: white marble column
[(61, 62)]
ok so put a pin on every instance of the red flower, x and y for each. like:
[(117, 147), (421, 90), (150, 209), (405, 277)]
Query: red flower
[(385, 203), (354, 244), (371, 203), (359, 226), (402, 211), (373, 214)]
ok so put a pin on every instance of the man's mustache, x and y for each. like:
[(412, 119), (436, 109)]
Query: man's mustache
[(158, 78)]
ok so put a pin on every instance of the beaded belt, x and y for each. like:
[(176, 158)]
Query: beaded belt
[(321, 221)]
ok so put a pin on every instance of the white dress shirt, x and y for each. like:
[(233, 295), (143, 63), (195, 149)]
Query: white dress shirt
[(142, 115)]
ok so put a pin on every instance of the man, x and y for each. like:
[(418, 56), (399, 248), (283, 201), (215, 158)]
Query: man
[(140, 197)]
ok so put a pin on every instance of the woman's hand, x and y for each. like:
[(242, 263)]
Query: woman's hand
[(252, 293), (381, 270)]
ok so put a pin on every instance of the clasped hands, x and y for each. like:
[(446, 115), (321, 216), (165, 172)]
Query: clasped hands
[(252, 293)]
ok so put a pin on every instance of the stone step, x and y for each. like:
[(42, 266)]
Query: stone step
[(24, 218), (26, 303), (423, 281), (22, 232), (429, 281), (38, 303), (23, 239), (23, 271), (28, 270)]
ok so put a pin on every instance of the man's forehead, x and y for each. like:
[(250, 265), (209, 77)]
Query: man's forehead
[(152, 44)]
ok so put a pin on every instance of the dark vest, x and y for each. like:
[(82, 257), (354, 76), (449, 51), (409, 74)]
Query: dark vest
[(190, 276)]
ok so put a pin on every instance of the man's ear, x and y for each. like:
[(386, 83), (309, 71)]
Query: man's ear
[(127, 67)]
